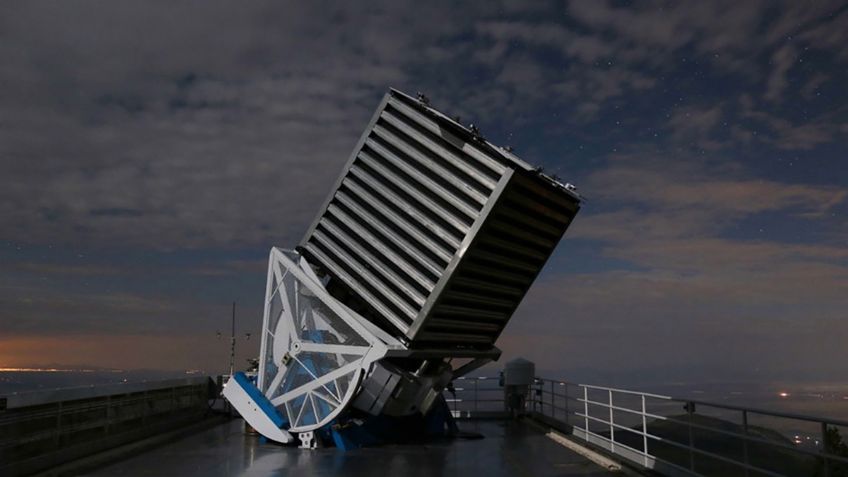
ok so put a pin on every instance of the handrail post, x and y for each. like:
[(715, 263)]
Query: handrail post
[(612, 424), (58, 435), (745, 441), (690, 410), (532, 395), (145, 410), (553, 401), (533, 398), (825, 460), (586, 411), (454, 399), (108, 414), (825, 457), (475, 396), (644, 430)]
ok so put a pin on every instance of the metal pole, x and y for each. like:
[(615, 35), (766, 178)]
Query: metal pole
[(475, 396), (565, 386), (586, 410), (145, 410), (453, 391), (690, 409), (825, 460), (108, 413), (539, 396), (745, 440), (553, 401), (58, 436), (611, 421), (644, 430), (233, 342)]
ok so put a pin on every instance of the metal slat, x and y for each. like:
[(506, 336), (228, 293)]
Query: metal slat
[(465, 311), (479, 156), (392, 178), (539, 208), (513, 247), (431, 165), (477, 299), (348, 165), (528, 221), (435, 228), (496, 274), (453, 337), (423, 180), (521, 234), (363, 272), (445, 154), (413, 250), (495, 289), (501, 259), (342, 274), (408, 208), (368, 238), (335, 245), (552, 194), (389, 277), (470, 326)]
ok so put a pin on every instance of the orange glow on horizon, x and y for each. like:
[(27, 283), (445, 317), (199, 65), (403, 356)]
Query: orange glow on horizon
[(94, 353), (53, 370)]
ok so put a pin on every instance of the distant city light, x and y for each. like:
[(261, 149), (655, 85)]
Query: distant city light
[(42, 370), (783, 394), (57, 370)]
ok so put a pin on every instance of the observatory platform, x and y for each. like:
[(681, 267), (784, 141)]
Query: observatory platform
[(509, 448), (412, 268)]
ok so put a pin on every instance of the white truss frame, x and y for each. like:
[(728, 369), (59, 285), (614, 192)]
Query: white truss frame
[(326, 390)]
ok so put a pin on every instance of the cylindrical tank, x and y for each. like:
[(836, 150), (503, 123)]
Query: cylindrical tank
[(518, 375), (519, 372)]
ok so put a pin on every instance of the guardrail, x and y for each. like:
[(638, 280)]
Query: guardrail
[(670, 435), (476, 398), (40, 430)]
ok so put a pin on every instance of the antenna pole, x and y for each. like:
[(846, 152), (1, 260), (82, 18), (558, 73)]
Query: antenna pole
[(233, 342)]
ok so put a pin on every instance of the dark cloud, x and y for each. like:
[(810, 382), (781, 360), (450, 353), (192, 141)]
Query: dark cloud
[(205, 124), (152, 153)]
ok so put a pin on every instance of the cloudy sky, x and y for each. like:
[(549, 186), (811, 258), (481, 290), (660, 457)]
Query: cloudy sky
[(152, 152)]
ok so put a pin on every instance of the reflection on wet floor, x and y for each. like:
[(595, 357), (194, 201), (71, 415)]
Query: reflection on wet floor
[(507, 449)]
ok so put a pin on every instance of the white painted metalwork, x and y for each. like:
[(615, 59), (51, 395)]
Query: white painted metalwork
[(254, 413), (577, 420), (314, 349), (307, 440), (434, 235)]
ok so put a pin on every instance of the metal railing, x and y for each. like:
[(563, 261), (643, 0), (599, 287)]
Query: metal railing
[(42, 429), (670, 435), (476, 397)]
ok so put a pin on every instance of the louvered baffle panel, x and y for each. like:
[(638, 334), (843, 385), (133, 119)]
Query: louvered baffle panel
[(438, 232)]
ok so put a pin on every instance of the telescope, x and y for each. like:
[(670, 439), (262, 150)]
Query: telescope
[(417, 260)]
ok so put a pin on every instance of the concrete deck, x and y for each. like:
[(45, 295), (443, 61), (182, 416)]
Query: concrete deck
[(508, 449)]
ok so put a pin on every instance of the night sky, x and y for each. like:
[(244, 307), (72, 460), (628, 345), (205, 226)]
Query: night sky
[(151, 153)]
